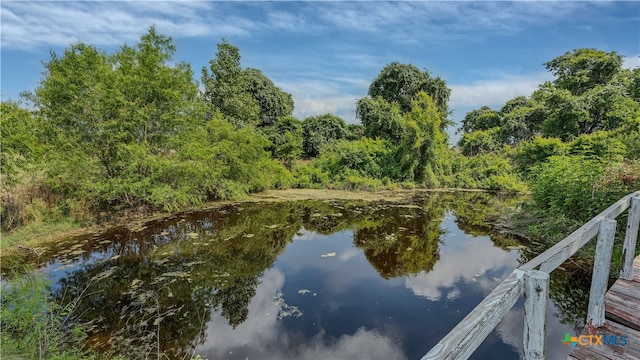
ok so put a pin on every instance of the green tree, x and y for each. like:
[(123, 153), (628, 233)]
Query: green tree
[(610, 106), (400, 83), (634, 85), (483, 118), (286, 137), (355, 131), (583, 69), (531, 153), (366, 157), (320, 131), (422, 141), (111, 118), (226, 87), (22, 141), (273, 102), (152, 94), (95, 103), (380, 119), (602, 145), (568, 115), (479, 142)]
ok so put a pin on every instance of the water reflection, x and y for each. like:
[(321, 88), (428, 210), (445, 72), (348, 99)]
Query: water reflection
[(462, 258), (264, 336), (321, 279)]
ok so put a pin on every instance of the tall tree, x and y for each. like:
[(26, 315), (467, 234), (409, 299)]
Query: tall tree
[(583, 69), (423, 141), (273, 102), (483, 118), (320, 131), (380, 119), (400, 83), (226, 87), (111, 118), (154, 94)]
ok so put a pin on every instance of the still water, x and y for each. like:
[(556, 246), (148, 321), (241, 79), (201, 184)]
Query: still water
[(297, 280)]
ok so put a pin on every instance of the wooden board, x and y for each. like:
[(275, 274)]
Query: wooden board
[(630, 351), (622, 310), (622, 303)]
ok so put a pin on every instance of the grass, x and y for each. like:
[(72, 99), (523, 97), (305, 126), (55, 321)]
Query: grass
[(28, 242)]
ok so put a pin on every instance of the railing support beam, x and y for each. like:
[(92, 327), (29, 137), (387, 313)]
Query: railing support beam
[(630, 239), (601, 266), (536, 294)]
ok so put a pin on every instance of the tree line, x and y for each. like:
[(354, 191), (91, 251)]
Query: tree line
[(131, 131)]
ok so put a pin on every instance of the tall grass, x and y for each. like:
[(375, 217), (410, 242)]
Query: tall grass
[(33, 325)]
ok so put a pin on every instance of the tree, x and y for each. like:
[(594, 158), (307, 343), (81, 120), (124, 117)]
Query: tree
[(422, 141), (227, 87), (320, 131), (583, 69), (273, 102), (521, 120), (536, 151), (286, 137), (21, 133), (80, 104), (400, 83), (154, 95), (483, 118), (111, 118), (380, 119), (479, 142), (634, 84)]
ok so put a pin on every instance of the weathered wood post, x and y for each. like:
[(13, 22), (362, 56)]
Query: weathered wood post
[(601, 266), (630, 239), (536, 294)]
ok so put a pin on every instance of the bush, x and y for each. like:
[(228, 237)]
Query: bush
[(604, 145), (579, 188), (487, 171), (33, 324), (479, 142), (536, 151)]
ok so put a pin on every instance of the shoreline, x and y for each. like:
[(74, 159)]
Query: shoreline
[(14, 255)]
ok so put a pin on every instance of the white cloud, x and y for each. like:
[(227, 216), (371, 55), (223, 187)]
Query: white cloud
[(442, 20), (305, 235), (27, 25), (263, 336), (511, 328), (32, 24), (315, 95), (350, 254), (497, 91), (631, 61), (461, 263)]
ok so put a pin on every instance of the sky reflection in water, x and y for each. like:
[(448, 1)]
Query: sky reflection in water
[(323, 280)]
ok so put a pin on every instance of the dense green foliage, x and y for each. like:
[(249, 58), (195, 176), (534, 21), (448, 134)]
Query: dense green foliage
[(320, 131), (575, 140), (34, 325), (129, 131)]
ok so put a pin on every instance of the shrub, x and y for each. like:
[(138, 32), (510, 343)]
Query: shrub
[(536, 151), (32, 323), (487, 171), (580, 188)]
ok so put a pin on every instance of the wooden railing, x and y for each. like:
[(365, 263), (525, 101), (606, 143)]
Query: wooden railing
[(532, 280)]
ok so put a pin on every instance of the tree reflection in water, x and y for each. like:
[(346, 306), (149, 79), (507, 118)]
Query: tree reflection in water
[(154, 289)]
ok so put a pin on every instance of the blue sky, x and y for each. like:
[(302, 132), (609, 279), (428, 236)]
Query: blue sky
[(327, 53)]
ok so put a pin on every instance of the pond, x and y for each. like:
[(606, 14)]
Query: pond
[(298, 280)]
